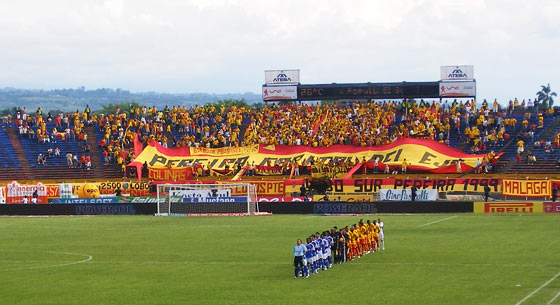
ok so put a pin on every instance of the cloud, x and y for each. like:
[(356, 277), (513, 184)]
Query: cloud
[(224, 45)]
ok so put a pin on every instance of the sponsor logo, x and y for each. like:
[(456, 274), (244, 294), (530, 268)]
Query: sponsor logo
[(84, 200), (406, 195), (282, 199), (457, 73), (525, 207), (149, 199), (282, 78), (551, 207), (344, 208), (211, 200), (105, 210), (201, 193)]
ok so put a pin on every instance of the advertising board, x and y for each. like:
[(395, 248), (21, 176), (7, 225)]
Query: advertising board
[(279, 93), (464, 72), (457, 89), (507, 207), (406, 195), (551, 207), (281, 77)]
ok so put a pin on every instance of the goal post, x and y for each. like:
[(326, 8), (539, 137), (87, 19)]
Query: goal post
[(207, 199)]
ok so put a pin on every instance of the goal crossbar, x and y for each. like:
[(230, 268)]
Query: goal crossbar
[(206, 199)]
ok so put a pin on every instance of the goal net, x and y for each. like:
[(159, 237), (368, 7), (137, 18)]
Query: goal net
[(210, 199)]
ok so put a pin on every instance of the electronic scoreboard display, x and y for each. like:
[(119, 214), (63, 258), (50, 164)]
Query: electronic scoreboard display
[(368, 91)]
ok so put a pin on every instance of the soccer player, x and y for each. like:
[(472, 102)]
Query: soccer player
[(365, 238), (319, 249), (299, 252), (354, 237), (314, 256), (335, 234), (342, 246), (381, 234), (315, 266), (329, 241), (324, 246), (375, 234), (309, 256), (371, 233)]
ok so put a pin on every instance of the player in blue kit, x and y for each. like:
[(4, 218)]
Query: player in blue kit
[(329, 241), (319, 249), (325, 249), (314, 243), (309, 256)]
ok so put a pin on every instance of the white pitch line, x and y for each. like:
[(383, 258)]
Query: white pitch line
[(537, 290), (554, 298), (89, 258), (354, 263), (429, 223)]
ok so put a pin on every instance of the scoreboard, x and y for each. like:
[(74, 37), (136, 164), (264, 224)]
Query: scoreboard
[(368, 91)]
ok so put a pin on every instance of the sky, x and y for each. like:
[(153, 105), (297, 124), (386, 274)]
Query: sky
[(224, 46)]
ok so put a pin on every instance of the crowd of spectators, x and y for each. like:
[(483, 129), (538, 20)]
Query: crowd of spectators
[(477, 128)]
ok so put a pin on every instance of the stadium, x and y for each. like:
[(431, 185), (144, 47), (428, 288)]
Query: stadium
[(466, 193)]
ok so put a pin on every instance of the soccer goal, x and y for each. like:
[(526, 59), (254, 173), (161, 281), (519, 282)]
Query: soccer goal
[(206, 199)]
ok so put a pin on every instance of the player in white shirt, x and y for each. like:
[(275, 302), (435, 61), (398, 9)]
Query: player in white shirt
[(381, 234)]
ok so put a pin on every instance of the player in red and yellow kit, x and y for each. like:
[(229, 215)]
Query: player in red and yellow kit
[(371, 234), (376, 234)]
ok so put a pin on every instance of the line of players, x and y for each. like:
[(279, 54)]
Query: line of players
[(344, 245)]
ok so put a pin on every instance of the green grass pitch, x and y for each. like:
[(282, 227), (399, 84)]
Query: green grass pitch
[(429, 259)]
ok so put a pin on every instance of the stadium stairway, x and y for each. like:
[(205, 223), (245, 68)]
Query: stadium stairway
[(540, 167), (96, 163), (21, 169)]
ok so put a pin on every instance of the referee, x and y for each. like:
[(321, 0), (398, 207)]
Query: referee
[(299, 252)]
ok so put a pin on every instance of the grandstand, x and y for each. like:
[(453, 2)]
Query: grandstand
[(364, 124), (19, 158)]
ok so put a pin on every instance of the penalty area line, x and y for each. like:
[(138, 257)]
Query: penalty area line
[(539, 288), (429, 223)]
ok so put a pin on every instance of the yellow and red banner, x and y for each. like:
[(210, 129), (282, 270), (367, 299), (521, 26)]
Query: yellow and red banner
[(526, 188), (419, 154), (373, 185)]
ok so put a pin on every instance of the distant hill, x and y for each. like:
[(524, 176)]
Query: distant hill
[(72, 99)]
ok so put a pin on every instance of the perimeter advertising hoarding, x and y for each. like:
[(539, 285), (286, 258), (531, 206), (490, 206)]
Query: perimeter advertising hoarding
[(505, 207), (406, 195), (465, 72), (457, 89), (132, 188), (279, 93), (526, 188), (551, 207), (281, 77)]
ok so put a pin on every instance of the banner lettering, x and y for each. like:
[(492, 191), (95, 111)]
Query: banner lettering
[(406, 195), (507, 207), (526, 188), (420, 155), (369, 185)]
